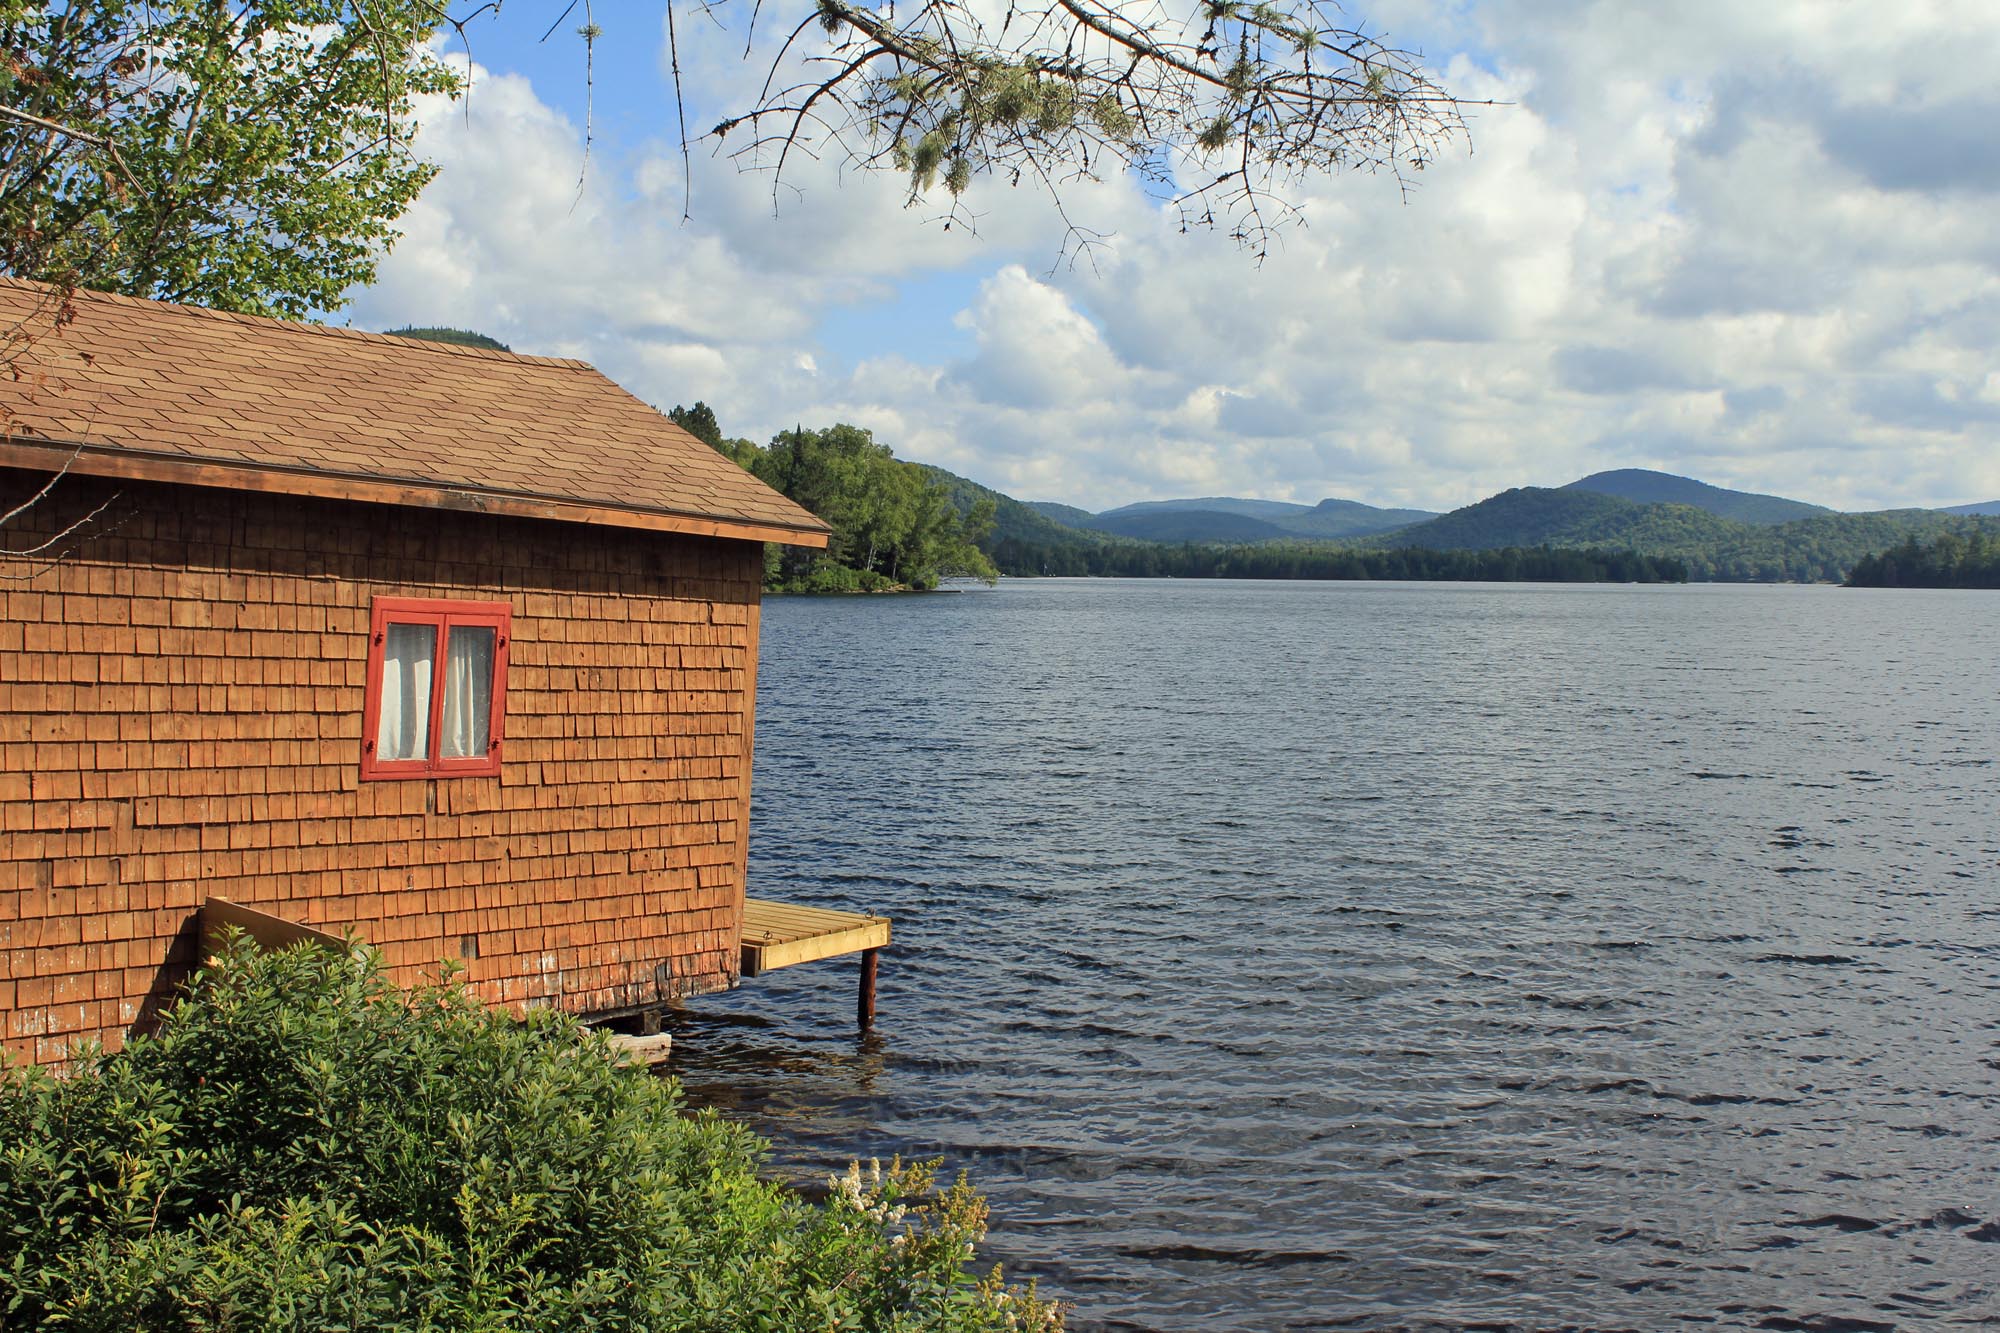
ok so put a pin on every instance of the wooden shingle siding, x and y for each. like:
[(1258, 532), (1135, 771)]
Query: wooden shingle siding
[(180, 717)]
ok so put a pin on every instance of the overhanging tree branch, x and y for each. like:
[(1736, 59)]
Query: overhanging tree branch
[(246, 154), (1248, 99)]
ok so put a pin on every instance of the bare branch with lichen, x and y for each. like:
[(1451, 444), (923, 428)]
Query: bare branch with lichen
[(1221, 112)]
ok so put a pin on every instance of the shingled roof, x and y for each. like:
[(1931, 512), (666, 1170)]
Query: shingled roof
[(143, 389)]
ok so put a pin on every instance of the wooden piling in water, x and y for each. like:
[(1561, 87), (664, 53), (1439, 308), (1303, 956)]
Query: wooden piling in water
[(864, 1005)]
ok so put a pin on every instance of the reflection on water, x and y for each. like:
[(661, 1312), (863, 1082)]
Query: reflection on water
[(1402, 956)]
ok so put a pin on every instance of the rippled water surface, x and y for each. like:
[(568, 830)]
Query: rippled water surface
[(1403, 956)]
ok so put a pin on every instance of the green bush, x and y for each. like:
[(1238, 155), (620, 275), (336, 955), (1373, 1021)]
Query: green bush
[(826, 576), (303, 1146)]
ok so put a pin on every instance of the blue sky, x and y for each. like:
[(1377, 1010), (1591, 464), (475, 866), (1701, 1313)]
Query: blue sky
[(628, 99), (1751, 244)]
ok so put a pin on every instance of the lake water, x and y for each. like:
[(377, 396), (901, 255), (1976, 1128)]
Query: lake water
[(1392, 956)]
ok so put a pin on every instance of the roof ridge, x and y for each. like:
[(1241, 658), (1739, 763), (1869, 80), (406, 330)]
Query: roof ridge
[(189, 310)]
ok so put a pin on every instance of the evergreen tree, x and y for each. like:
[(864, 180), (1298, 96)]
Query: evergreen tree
[(699, 421)]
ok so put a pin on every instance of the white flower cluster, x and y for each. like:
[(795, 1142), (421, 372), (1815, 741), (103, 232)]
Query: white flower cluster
[(863, 1192)]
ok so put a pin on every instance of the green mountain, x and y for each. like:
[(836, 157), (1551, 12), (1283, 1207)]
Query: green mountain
[(1026, 540), (1646, 487), (1067, 515), (1821, 548), (1984, 507), (1222, 518), (1187, 525), (1537, 516), (1350, 518), (462, 337), (1271, 511)]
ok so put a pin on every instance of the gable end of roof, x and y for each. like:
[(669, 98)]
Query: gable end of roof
[(144, 389)]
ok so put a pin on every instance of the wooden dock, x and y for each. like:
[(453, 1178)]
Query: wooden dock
[(781, 934)]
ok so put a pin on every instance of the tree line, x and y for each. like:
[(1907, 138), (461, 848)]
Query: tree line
[(1951, 560), (893, 526), (1319, 560), (898, 524)]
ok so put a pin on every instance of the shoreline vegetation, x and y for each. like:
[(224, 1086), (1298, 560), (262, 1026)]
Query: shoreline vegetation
[(894, 527), (1407, 564), (1542, 564), (305, 1146), (1971, 560)]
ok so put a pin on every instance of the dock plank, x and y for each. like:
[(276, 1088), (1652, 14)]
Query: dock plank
[(779, 934)]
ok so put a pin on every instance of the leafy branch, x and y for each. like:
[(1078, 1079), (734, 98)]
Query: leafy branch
[(244, 154)]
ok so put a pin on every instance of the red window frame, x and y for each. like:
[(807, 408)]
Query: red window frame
[(443, 615)]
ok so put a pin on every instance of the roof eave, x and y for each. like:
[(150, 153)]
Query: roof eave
[(96, 460)]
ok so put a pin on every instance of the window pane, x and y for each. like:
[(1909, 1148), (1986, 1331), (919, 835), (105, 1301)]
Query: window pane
[(468, 691), (404, 729)]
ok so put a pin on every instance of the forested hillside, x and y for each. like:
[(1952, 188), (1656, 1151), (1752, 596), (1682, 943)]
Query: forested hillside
[(1535, 516), (1271, 511), (1326, 560), (1026, 542), (1969, 559), (1348, 518), (1815, 550), (1067, 515), (461, 337), (1013, 521), (1821, 548), (1188, 525)]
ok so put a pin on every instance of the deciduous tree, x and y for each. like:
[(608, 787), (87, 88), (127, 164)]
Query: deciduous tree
[(892, 525), (247, 155)]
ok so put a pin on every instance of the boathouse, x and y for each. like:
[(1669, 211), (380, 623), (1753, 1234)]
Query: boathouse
[(450, 649)]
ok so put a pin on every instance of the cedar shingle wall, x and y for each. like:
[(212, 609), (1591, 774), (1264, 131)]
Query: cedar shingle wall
[(180, 716)]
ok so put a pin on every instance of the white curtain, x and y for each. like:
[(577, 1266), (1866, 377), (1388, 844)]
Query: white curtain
[(404, 729), (468, 692)]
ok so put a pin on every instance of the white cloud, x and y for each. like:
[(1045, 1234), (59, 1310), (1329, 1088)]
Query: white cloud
[(1035, 351), (1750, 243)]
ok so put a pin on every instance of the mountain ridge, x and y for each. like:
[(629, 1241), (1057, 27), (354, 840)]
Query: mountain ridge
[(1816, 545), (1645, 486), (1223, 518)]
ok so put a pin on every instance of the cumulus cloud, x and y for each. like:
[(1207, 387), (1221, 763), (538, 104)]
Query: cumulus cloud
[(1035, 351), (1749, 243)]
